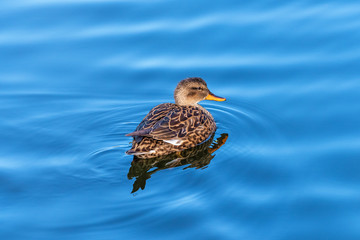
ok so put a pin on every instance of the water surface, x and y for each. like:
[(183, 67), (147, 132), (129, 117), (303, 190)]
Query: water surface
[(76, 76)]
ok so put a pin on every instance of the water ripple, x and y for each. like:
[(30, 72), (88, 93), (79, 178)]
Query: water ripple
[(73, 79)]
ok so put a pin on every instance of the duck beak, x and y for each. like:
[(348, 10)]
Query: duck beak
[(213, 97)]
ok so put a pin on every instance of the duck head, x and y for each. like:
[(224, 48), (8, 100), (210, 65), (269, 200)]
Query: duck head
[(190, 91)]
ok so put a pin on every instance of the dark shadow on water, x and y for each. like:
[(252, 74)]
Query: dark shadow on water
[(198, 157)]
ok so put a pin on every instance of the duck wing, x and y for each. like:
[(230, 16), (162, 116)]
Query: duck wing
[(155, 115), (175, 125)]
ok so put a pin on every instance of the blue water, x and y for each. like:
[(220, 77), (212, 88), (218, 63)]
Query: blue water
[(76, 76)]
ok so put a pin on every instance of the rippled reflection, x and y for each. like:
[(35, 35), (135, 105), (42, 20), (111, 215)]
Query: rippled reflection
[(198, 157)]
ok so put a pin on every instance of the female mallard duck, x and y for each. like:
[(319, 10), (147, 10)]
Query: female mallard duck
[(170, 128)]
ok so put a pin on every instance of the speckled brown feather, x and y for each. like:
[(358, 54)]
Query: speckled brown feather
[(190, 124), (155, 115)]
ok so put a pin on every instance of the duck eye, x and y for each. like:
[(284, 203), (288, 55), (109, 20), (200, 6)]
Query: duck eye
[(196, 88)]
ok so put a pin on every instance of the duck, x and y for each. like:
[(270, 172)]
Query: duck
[(173, 127)]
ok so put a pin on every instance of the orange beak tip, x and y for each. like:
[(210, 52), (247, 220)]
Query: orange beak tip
[(213, 97)]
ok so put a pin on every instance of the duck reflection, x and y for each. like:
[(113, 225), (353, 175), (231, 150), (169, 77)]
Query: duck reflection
[(196, 157)]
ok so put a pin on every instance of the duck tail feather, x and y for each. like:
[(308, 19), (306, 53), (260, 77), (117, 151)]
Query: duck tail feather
[(143, 132)]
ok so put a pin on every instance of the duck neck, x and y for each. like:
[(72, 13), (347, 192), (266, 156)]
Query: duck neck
[(184, 101)]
